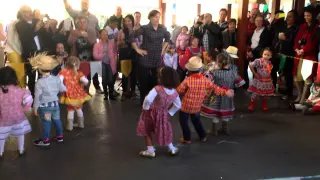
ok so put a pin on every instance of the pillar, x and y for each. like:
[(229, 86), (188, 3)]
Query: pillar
[(162, 8), (198, 9), (275, 6), (229, 12), (242, 34), (298, 5)]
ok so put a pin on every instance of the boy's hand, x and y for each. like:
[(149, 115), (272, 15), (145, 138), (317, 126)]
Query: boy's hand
[(230, 93)]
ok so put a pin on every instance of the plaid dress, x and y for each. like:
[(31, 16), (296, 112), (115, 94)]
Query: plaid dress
[(221, 106), (156, 120)]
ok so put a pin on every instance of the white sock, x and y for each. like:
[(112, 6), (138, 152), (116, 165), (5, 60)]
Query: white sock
[(2, 142), (70, 115), (215, 120), (21, 143), (79, 113), (151, 149), (171, 147)]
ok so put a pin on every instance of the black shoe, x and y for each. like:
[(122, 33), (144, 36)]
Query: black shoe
[(113, 98), (41, 142)]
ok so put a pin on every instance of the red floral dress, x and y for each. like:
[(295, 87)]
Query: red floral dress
[(262, 85), (75, 95)]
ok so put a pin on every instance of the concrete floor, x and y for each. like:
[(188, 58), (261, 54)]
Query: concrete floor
[(279, 143)]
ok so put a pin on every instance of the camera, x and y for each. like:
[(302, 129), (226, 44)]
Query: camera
[(302, 42)]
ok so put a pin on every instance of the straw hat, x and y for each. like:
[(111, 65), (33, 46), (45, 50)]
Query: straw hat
[(44, 62), (232, 51), (194, 64)]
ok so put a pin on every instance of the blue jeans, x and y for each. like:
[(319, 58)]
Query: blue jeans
[(47, 115), (195, 119)]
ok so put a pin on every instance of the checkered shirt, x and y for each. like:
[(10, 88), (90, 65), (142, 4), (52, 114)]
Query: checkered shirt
[(195, 90), (152, 42), (205, 41)]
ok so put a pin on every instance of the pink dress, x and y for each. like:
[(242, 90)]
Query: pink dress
[(156, 120), (13, 121)]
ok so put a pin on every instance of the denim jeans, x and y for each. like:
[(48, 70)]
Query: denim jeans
[(195, 119), (108, 79), (48, 115)]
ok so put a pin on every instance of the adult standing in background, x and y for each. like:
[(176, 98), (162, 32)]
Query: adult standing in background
[(14, 50), (92, 30), (119, 16), (222, 19), (155, 41), (230, 35), (29, 41), (92, 20), (2, 39)]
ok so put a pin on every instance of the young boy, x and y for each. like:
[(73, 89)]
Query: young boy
[(46, 101), (194, 90)]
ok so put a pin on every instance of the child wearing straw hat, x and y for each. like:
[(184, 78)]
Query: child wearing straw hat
[(194, 90), (46, 101)]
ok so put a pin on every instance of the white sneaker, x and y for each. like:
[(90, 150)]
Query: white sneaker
[(81, 122), (147, 153)]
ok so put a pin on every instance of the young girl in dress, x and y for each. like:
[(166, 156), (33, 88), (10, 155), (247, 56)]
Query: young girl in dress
[(221, 108), (75, 96), (194, 50), (162, 101), (170, 59), (14, 101), (262, 83), (183, 41)]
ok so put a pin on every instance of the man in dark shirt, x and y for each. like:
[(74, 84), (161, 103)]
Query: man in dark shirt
[(29, 41), (118, 14), (222, 19)]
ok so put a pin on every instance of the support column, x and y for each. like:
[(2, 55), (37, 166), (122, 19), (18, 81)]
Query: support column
[(275, 6), (298, 5), (198, 9), (229, 12), (242, 34), (162, 8)]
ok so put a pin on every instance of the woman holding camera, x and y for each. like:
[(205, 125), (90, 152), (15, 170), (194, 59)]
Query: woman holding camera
[(305, 47)]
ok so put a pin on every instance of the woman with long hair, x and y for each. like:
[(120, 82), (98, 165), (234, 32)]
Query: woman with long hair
[(305, 47), (126, 55)]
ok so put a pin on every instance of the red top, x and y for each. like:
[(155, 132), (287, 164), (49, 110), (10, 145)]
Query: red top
[(310, 48), (190, 52)]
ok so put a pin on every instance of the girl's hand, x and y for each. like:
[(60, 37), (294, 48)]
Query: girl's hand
[(142, 52), (230, 93), (36, 112)]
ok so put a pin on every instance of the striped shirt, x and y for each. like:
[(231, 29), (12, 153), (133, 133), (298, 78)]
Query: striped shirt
[(195, 90)]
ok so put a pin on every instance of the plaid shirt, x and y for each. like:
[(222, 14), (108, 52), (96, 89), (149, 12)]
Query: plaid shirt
[(152, 43), (195, 89)]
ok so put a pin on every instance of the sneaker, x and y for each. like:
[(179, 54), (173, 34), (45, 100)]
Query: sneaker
[(148, 154), (21, 153), (59, 139), (174, 152), (204, 140), (285, 97), (1, 156), (41, 142)]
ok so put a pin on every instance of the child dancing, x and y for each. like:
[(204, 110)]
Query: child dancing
[(221, 107), (46, 101), (75, 96), (170, 58), (194, 90), (262, 84), (162, 101), (14, 101)]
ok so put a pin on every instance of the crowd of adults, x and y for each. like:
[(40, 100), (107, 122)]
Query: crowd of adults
[(124, 38)]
